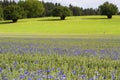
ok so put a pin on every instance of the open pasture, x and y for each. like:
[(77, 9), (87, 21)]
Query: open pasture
[(60, 58), (93, 25)]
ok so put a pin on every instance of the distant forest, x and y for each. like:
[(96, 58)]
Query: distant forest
[(35, 8)]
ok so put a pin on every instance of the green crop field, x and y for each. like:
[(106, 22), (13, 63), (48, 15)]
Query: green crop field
[(83, 25)]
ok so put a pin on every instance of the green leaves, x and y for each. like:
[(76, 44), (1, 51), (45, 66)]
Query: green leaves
[(33, 8), (108, 9), (76, 11), (12, 12), (61, 12), (1, 13)]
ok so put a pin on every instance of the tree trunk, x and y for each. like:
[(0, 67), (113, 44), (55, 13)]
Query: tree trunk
[(63, 17), (14, 20), (109, 16)]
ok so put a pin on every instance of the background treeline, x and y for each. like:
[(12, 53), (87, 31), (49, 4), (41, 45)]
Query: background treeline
[(49, 6), (10, 10), (76, 11)]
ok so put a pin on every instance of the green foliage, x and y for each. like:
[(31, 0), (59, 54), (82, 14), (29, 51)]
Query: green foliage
[(13, 12), (24, 13), (48, 9), (33, 8), (76, 11), (61, 11), (90, 11), (108, 9), (1, 13)]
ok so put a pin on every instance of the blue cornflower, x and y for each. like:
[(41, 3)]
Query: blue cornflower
[(77, 52), (74, 72), (25, 72), (102, 51), (60, 73), (39, 71), (21, 76), (83, 76), (48, 70), (1, 69), (53, 68), (39, 79), (49, 76), (113, 76), (63, 76), (29, 78), (115, 57), (91, 79)]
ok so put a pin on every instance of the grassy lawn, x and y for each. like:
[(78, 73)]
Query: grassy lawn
[(83, 25)]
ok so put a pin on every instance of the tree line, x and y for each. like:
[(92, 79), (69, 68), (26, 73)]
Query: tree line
[(10, 10)]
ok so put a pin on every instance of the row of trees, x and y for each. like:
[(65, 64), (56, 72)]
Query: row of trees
[(10, 10), (75, 10)]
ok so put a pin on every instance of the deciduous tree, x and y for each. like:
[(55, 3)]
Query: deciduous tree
[(62, 12), (76, 11), (1, 12), (108, 9), (33, 8), (12, 12)]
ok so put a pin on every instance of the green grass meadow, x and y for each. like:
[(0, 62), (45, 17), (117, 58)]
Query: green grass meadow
[(83, 25)]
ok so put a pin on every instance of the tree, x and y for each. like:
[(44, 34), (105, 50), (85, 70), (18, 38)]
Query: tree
[(118, 13), (1, 12), (12, 12), (0, 3), (76, 11), (48, 8), (33, 8), (62, 12), (57, 4), (108, 9), (5, 3)]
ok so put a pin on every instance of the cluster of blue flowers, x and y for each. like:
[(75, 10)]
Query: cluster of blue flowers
[(21, 70), (45, 74), (98, 47)]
